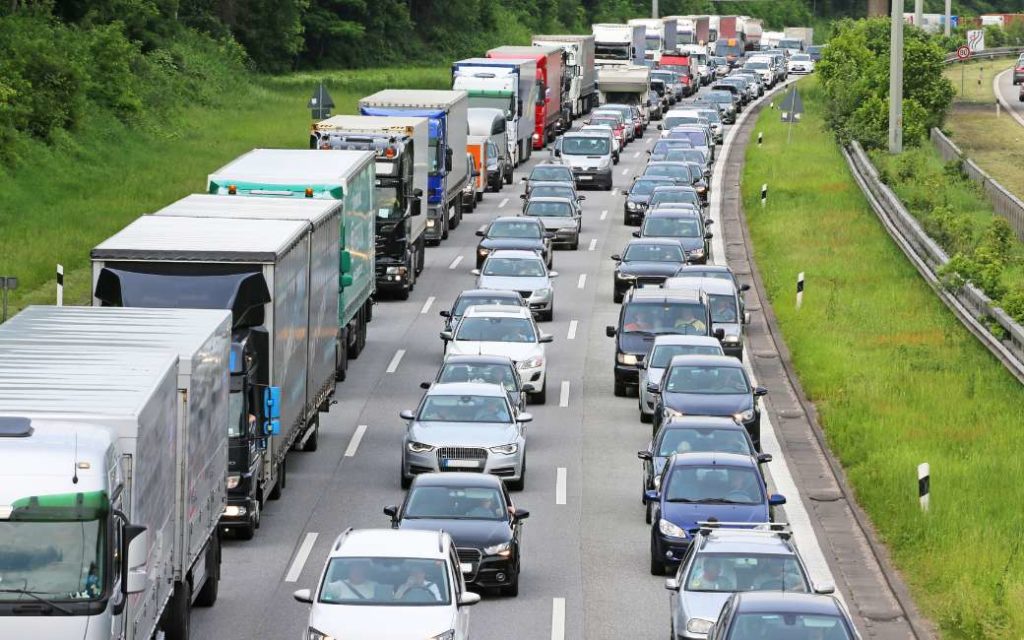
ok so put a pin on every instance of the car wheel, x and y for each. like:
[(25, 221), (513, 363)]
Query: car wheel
[(620, 389), (657, 566), (647, 516), (617, 296), (512, 590), (541, 397), (520, 484), (646, 418)]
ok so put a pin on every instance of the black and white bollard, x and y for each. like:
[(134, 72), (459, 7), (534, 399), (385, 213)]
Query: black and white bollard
[(924, 481), (60, 285), (799, 289), (760, 138), (764, 194)]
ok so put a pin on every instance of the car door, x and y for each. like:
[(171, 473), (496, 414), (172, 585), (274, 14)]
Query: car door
[(516, 525)]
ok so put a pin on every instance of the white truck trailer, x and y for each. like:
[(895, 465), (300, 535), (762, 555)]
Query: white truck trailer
[(579, 69), (618, 44)]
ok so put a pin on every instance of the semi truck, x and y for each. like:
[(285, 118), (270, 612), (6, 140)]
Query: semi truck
[(112, 470), (730, 43), (803, 34), (303, 174), (400, 148), (549, 118), (580, 69), (753, 30), (618, 44), (509, 85), (447, 114), (625, 85), (660, 34), (278, 281)]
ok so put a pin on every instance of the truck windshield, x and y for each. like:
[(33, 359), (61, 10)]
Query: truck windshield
[(236, 402), (388, 204), (724, 49), (611, 51), (617, 97), (492, 102), (435, 157), (653, 42)]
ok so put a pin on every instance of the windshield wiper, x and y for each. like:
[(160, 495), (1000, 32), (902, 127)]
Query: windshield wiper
[(35, 595)]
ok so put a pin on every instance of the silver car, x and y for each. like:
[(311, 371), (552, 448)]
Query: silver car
[(664, 348), (726, 309), (590, 155), (522, 271), (562, 217), (465, 426)]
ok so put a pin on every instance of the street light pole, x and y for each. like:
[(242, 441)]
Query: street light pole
[(896, 78), (949, 11), (919, 14), (654, 8)]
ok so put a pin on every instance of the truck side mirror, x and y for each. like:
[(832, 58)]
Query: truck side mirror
[(345, 264), (416, 202), (134, 551), (448, 159), (391, 511), (519, 106), (272, 411)]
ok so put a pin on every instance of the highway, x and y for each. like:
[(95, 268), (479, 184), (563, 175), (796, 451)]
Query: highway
[(586, 547), (1010, 94)]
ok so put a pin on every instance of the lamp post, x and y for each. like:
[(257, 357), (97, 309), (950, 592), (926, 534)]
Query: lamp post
[(7, 283), (896, 78)]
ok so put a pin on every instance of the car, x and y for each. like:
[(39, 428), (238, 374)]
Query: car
[(624, 116), (697, 179), (492, 369), (686, 228), (657, 100), (662, 145), (727, 311), (514, 232), (552, 189), (711, 271), (727, 100), (815, 50), (615, 122), (507, 331), (645, 314), (386, 583), (606, 130), (722, 68), (637, 196), (475, 509), (755, 78), (764, 68), (770, 614), (747, 88), (472, 297), (714, 118), (708, 386), (681, 150), (672, 196), (672, 83), (1018, 70), (698, 487), (691, 156), (465, 426), (562, 217), (700, 137), (726, 559), (663, 349), (677, 171), (1020, 96), (801, 64), (645, 261), (724, 85), (522, 271), (499, 168), (470, 194), (548, 172), (590, 156)]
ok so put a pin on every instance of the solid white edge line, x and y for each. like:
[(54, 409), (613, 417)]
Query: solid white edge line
[(558, 619), (560, 482), (573, 325), (395, 361), (300, 557), (563, 396), (353, 444), (455, 262), (503, 202), (593, 244), (582, 282), (426, 305), (604, 214)]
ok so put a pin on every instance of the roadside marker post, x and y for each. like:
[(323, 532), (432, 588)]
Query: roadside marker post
[(60, 285), (924, 481), (800, 290), (7, 283), (760, 138), (764, 194)]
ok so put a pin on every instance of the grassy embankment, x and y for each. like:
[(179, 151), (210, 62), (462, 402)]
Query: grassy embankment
[(63, 200), (897, 381)]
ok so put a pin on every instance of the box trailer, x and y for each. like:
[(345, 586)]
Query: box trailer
[(550, 117), (618, 44), (508, 84), (580, 69)]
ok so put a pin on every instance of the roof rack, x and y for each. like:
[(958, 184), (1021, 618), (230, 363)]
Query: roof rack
[(782, 529)]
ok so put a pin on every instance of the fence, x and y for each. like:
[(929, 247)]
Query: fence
[(987, 54), (974, 309)]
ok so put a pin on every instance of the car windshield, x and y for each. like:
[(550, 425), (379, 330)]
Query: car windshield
[(646, 187), (719, 96), (585, 146), (496, 373), (723, 308), (696, 174), (690, 440), (643, 252), (662, 146), (714, 484), (456, 503), (552, 191), (396, 582), (756, 65), (674, 317), (732, 572), (800, 57), (674, 121), (791, 626), (549, 209), (707, 380), (675, 195), (444, 408), (484, 329), (554, 174), (658, 227), (675, 171), (514, 229), (711, 116), (492, 154), (696, 138), (663, 354), (677, 155), (514, 267), (466, 302), (692, 271), (611, 121), (388, 205)]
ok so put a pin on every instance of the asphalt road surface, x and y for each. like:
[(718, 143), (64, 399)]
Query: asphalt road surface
[(1011, 94)]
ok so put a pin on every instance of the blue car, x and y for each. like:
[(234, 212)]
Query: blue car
[(698, 487)]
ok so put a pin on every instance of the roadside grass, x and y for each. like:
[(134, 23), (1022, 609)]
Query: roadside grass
[(897, 381), (973, 80), (996, 144), (65, 199)]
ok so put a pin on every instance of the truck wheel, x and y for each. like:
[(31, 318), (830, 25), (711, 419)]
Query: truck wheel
[(313, 441), (421, 258), (445, 225), (282, 478), (508, 177), (342, 359), (248, 530), (177, 618), (356, 330), (207, 595)]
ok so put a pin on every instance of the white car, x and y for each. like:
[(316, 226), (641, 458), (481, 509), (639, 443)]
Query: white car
[(800, 63), (663, 350), (525, 272), (389, 583), (504, 331)]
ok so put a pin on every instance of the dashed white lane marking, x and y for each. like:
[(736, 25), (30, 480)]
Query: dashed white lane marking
[(427, 304), (604, 214), (583, 281), (560, 481), (503, 202), (395, 361), (635, 155), (558, 619), (563, 397), (301, 556), (353, 444), (625, 172), (455, 262), (593, 244), (573, 325)]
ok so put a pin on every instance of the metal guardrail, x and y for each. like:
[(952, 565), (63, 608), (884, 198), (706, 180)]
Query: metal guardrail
[(969, 304), (987, 54)]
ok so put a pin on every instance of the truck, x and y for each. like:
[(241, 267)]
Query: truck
[(753, 30), (446, 111), (400, 147), (770, 39), (476, 147), (713, 24), (302, 174), (112, 470), (804, 34), (686, 67), (508, 84), (730, 44), (278, 280), (660, 34), (626, 85), (685, 30), (550, 117), (579, 70), (618, 44)]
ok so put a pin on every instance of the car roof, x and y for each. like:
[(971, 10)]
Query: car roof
[(515, 254), (579, 133), (708, 285), (391, 543), (705, 458), (467, 389), (549, 164), (548, 183), (477, 359), (786, 602), (674, 213), (706, 360), (521, 218), (653, 241), (744, 540), (457, 478), (549, 199), (676, 187), (495, 310), (679, 339), (706, 267), (665, 163), (701, 422), (660, 296), (489, 293)]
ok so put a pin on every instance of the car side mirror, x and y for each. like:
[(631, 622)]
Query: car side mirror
[(468, 599), (524, 417), (546, 337), (475, 272), (480, 233), (672, 584), (760, 391), (391, 511), (744, 287), (424, 385), (552, 274), (407, 414), (708, 235), (641, 365), (653, 387), (581, 198), (776, 500), (660, 127), (522, 196), (521, 514), (303, 595), (763, 458), (529, 387), (525, 179), (444, 313), (644, 455), (617, 258), (558, 154), (824, 588), (720, 334), (636, 234), (651, 495), (609, 331), (708, 223)]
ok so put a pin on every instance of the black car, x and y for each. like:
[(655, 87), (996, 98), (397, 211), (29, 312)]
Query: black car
[(485, 368), (514, 232), (737, 94), (696, 156), (682, 226), (645, 261), (551, 190), (709, 386), (646, 313), (476, 511), (697, 180), (549, 173), (815, 51), (713, 271), (661, 148), (677, 171), (471, 297), (499, 168), (783, 614), (674, 195), (638, 195)]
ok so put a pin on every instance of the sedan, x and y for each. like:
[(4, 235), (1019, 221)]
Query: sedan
[(677, 171), (615, 122), (472, 297), (522, 271), (727, 100), (552, 190), (476, 510), (514, 232), (549, 173), (645, 261), (638, 196), (761, 614), (465, 427), (625, 116), (561, 217), (664, 348), (661, 147), (685, 227), (672, 197), (801, 64), (492, 369)]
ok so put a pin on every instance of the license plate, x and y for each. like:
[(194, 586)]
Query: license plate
[(586, 177), (462, 464), (466, 567)]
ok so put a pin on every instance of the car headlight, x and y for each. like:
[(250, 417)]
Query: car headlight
[(447, 635), (731, 339), (313, 634), (624, 276), (542, 293), (657, 482), (697, 253), (745, 416), (531, 363), (669, 529), (698, 625), (395, 271), (233, 480), (506, 449), (419, 447), (504, 549), (431, 223), (626, 358), (483, 251), (701, 188), (631, 206)]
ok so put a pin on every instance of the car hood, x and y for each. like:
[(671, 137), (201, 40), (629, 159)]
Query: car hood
[(701, 604), (529, 244), (642, 198), (707, 404), (518, 351), (477, 534), (687, 515), (381, 622), (586, 162), (464, 434), (557, 222), (730, 328), (654, 375), (635, 343), (512, 283), (649, 268)]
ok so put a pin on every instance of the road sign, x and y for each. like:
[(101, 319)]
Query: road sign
[(976, 40), (963, 52), (321, 103)]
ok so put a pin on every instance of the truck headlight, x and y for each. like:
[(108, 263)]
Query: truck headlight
[(419, 447), (698, 625), (505, 449), (504, 550), (431, 223), (626, 359), (669, 529), (731, 339), (745, 416), (233, 480)]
